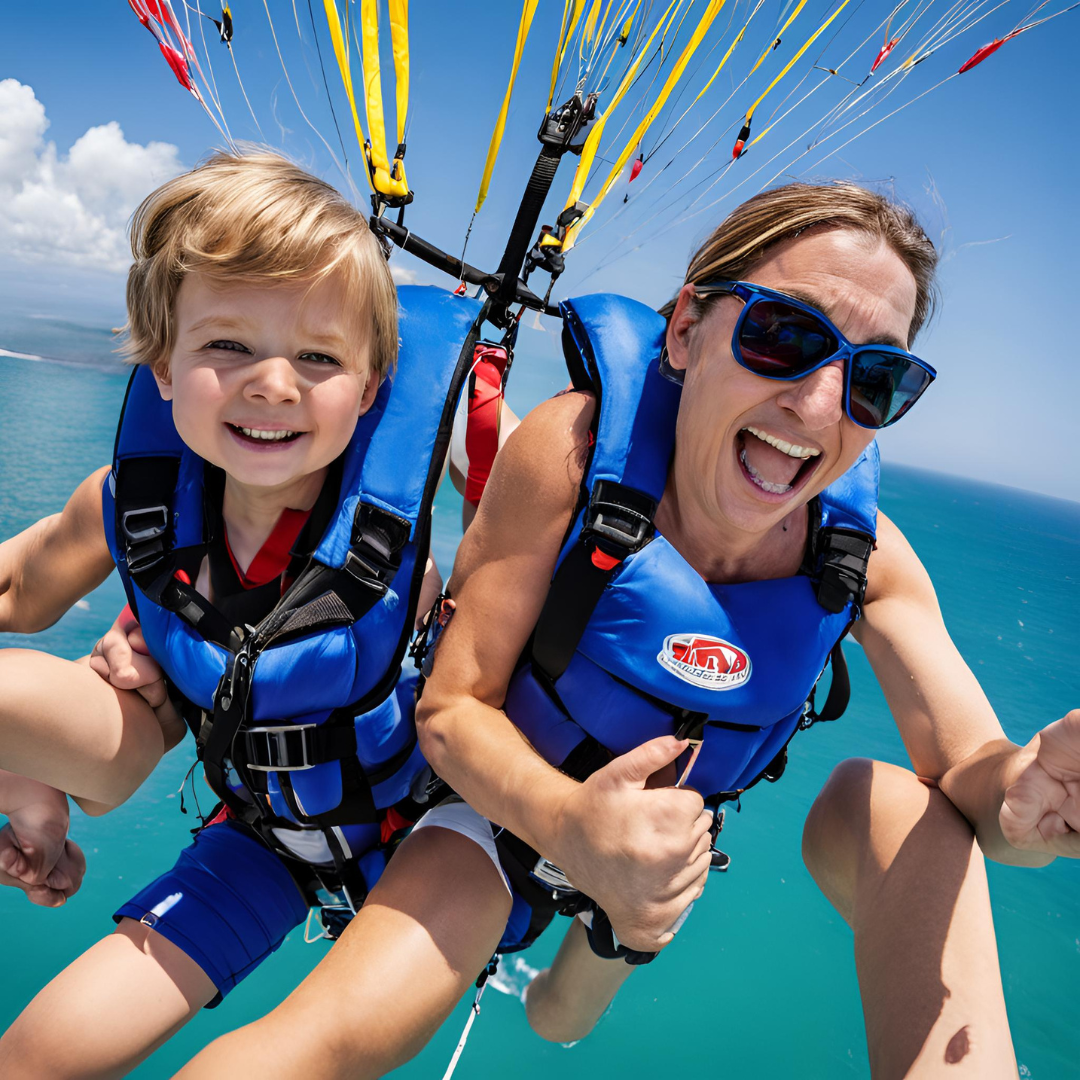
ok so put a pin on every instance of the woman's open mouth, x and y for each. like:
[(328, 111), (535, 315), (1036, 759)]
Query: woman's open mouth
[(263, 438), (774, 466)]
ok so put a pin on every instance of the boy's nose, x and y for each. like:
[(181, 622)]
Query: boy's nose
[(818, 399), (273, 379)]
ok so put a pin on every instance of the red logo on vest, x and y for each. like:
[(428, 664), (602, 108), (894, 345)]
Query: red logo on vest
[(705, 661)]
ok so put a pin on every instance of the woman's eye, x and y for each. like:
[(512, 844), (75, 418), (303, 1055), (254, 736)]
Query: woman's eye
[(228, 346), (320, 358)]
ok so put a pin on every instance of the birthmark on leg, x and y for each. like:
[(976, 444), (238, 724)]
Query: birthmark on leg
[(959, 1047)]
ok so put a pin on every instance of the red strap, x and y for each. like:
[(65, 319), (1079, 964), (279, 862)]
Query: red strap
[(272, 559), (602, 561), (482, 427)]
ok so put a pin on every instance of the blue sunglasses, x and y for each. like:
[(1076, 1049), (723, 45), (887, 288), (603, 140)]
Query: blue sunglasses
[(779, 337)]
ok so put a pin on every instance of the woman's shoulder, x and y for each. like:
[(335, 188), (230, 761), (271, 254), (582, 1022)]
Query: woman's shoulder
[(894, 569)]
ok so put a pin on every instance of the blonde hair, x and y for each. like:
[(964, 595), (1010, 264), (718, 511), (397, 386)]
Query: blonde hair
[(747, 234), (253, 217)]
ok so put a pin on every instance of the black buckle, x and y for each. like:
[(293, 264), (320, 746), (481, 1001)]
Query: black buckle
[(140, 525), (281, 748), (378, 534), (621, 515)]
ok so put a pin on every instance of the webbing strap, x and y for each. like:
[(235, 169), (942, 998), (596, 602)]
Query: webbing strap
[(618, 523)]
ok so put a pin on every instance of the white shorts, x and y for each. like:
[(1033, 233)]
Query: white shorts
[(458, 816)]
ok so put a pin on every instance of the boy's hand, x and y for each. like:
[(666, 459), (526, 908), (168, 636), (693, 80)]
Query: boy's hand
[(123, 660), (35, 854)]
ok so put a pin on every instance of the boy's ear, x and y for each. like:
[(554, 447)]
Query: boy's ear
[(163, 380), (371, 388)]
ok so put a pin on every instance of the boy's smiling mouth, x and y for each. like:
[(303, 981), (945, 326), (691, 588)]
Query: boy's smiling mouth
[(253, 436)]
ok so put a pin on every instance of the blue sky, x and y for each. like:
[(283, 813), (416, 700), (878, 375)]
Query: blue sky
[(988, 160)]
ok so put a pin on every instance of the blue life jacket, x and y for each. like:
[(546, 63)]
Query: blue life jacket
[(301, 720), (632, 643)]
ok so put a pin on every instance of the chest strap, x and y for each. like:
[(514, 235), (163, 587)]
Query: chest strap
[(618, 523)]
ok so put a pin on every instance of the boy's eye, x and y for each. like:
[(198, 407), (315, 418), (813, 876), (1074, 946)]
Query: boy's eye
[(228, 346), (320, 358)]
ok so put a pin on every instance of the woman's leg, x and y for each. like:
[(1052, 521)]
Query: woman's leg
[(106, 1011), (64, 725), (901, 865), (423, 935), (564, 1002)]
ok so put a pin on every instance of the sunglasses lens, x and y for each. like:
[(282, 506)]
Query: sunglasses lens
[(884, 386), (780, 341)]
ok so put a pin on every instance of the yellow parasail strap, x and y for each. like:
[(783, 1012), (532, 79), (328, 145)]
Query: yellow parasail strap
[(588, 151), (527, 11), (624, 33), (714, 8), (727, 55), (590, 22), (791, 63), (399, 35), (341, 52), (776, 41)]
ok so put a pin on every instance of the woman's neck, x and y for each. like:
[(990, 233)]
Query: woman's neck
[(725, 554), (250, 513)]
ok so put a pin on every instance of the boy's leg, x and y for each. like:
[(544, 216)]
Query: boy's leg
[(564, 1002), (106, 1011), (425, 932), (185, 939), (901, 865), (62, 724)]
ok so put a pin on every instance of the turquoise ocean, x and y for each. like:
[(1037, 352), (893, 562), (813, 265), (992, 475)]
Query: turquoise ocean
[(761, 982)]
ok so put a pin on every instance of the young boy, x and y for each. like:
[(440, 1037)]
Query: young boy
[(269, 511)]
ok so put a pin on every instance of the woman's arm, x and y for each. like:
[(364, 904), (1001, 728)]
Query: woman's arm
[(46, 568), (642, 854), (948, 726)]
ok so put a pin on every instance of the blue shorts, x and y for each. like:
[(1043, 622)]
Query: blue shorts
[(227, 903)]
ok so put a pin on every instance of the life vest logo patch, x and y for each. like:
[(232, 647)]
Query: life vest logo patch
[(705, 661)]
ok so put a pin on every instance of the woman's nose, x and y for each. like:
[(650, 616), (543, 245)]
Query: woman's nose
[(817, 399), (273, 380)]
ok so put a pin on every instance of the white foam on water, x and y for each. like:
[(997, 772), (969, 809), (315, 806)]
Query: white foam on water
[(21, 355), (513, 977)]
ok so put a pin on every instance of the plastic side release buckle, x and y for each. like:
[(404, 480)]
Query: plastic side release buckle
[(621, 516)]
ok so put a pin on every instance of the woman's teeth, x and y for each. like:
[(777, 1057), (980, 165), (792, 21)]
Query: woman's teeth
[(267, 436), (765, 485), (791, 449)]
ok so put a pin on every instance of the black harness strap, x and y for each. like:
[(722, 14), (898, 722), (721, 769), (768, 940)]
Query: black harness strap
[(618, 523)]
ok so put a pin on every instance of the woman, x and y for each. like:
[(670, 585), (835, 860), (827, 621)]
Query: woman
[(752, 490)]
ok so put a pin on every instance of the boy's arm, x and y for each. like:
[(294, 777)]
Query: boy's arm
[(46, 568)]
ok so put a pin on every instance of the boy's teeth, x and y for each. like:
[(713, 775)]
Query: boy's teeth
[(268, 436), (765, 485), (791, 449)]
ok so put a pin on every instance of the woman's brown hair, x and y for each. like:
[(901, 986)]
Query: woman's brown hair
[(746, 235)]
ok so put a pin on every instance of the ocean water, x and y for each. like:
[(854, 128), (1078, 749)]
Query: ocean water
[(761, 982)]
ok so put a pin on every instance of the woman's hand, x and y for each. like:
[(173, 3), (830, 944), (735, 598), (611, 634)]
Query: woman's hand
[(35, 853), (122, 659), (1041, 810), (640, 851)]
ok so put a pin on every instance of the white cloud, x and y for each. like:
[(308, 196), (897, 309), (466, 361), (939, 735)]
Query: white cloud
[(70, 210), (402, 275)]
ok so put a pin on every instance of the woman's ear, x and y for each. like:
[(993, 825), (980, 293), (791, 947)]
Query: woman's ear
[(683, 319), (163, 380)]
